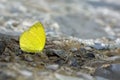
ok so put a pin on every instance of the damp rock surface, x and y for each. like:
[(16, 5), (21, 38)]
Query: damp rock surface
[(70, 59), (83, 40)]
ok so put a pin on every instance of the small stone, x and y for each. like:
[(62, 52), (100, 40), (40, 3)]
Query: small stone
[(90, 55), (60, 53), (53, 66), (108, 71), (73, 62), (88, 48), (28, 58), (73, 49), (26, 73), (99, 46), (60, 62)]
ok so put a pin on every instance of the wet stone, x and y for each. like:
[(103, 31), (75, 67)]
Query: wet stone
[(60, 53), (99, 46), (83, 50), (108, 71), (73, 49), (88, 48), (90, 55), (28, 57), (60, 62), (73, 62), (52, 66)]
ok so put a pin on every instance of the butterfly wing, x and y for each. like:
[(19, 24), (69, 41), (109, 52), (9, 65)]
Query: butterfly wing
[(34, 39)]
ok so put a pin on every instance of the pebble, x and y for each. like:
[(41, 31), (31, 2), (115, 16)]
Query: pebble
[(61, 53), (99, 46), (90, 55), (26, 73), (52, 66), (88, 48), (108, 71), (28, 58), (73, 62), (73, 49)]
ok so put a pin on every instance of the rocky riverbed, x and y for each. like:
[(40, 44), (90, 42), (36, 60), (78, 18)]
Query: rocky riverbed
[(83, 40)]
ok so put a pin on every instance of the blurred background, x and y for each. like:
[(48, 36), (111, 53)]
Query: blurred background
[(86, 19)]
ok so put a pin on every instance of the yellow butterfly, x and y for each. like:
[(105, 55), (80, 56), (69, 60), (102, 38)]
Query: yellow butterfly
[(33, 40)]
